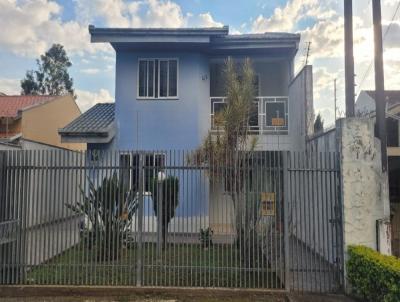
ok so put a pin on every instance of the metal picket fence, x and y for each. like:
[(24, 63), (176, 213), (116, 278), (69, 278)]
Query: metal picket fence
[(169, 218)]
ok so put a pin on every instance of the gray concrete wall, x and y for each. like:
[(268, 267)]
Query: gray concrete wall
[(300, 109), (323, 142), (38, 199)]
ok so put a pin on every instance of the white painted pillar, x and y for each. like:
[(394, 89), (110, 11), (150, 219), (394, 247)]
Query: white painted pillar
[(365, 193)]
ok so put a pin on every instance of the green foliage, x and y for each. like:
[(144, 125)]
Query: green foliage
[(206, 237), (227, 151), (52, 76), (223, 146), (318, 124), (169, 199), (373, 276), (109, 208)]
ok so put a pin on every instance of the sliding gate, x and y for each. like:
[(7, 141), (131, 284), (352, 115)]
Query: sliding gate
[(166, 218)]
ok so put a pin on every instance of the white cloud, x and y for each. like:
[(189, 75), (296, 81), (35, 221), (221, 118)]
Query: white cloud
[(90, 70), (33, 26), (10, 86), (144, 13), (163, 14), (86, 99), (286, 18), (204, 20), (110, 10)]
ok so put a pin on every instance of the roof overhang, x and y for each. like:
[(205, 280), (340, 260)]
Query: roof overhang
[(211, 40), (102, 136), (257, 43), (155, 35)]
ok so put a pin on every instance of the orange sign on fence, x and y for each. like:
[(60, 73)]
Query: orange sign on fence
[(267, 204)]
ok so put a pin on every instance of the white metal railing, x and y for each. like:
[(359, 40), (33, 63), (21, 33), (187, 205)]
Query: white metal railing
[(270, 116)]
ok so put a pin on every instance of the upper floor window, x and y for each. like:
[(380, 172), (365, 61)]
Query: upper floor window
[(158, 78)]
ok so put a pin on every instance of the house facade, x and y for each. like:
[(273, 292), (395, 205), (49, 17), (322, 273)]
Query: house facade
[(170, 84)]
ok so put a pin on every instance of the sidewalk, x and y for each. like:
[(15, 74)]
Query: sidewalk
[(146, 294), (204, 298)]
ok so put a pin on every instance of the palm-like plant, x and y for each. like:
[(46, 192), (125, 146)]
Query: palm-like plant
[(227, 151), (109, 209)]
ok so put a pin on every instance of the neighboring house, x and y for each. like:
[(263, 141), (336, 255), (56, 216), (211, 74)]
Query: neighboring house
[(170, 85), (365, 105), (37, 118)]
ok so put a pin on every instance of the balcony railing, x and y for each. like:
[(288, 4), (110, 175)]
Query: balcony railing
[(269, 115)]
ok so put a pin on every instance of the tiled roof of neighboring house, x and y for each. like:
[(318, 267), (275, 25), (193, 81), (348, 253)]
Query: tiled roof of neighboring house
[(11, 105), (96, 120), (392, 96)]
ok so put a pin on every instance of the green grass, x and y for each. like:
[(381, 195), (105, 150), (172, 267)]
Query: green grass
[(179, 265)]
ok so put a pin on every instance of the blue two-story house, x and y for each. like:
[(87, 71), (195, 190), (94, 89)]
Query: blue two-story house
[(169, 85)]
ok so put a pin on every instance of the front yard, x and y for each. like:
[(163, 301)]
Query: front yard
[(181, 264)]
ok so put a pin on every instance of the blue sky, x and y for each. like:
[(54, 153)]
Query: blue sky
[(31, 26)]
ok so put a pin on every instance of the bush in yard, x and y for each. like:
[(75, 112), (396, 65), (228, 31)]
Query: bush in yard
[(206, 238), (109, 208), (169, 199), (373, 276)]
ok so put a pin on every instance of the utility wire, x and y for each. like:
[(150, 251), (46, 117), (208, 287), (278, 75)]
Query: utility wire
[(366, 73)]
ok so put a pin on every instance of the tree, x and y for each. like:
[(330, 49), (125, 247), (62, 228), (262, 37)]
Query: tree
[(52, 76), (109, 209), (230, 147), (318, 124)]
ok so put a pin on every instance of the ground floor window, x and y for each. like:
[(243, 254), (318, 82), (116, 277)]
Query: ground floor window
[(129, 169)]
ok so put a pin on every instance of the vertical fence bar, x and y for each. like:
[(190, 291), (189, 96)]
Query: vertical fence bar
[(139, 268), (286, 206)]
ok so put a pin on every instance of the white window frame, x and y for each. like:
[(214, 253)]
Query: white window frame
[(158, 79), (274, 100), (131, 171)]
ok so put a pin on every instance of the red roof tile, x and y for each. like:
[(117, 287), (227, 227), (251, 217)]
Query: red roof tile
[(10, 105)]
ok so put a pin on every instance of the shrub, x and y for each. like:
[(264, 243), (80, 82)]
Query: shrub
[(109, 208), (206, 237), (373, 276), (169, 199)]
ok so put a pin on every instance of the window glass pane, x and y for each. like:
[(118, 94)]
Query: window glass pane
[(218, 109), (173, 81), (275, 114), (156, 78), (256, 85), (124, 175), (253, 119), (142, 78), (163, 78), (135, 172), (217, 79), (150, 92), (149, 172)]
